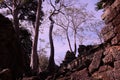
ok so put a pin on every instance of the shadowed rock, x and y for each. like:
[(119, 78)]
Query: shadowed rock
[(11, 55)]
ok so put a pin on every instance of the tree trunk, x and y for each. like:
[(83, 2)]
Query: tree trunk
[(51, 65), (34, 56), (75, 46), (68, 39), (15, 17)]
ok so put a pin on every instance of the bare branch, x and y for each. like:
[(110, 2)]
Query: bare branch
[(8, 7)]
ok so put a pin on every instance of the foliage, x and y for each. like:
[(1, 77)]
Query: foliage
[(99, 5), (43, 61), (102, 3), (26, 8), (71, 23), (25, 38)]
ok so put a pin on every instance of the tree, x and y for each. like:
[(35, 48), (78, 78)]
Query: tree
[(19, 10), (34, 56), (43, 61), (95, 26), (73, 19), (51, 66), (26, 10), (65, 26), (26, 43)]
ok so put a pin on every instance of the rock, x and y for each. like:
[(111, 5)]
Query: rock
[(31, 78), (117, 74), (104, 68), (96, 61), (114, 50), (70, 56), (108, 75), (80, 75), (11, 55), (109, 14), (102, 74), (6, 74), (107, 28), (117, 64), (81, 50), (108, 59), (116, 39), (108, 36)]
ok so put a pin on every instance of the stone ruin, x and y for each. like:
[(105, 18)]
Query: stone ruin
[(100, 62)]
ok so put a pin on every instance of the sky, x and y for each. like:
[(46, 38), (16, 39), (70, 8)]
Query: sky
[(61, 46)]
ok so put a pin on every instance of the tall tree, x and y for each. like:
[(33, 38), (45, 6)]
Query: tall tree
[(65, 28), (29, 10), (51, 66), (19, 10), (34, 56)]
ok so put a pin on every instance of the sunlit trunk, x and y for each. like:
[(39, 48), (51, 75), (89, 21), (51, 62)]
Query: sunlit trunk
[(34, 56), (68, 39)]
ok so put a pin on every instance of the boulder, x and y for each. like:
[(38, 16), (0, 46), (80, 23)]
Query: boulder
[(117, 64), (114, 51), (6, 74), (108, 59), (80, 75), (11, 55), (96, 61), (104, 68), (70, 56)]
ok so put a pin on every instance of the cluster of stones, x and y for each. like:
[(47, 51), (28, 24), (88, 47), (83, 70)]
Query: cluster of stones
[(111, 16), (109, 69)]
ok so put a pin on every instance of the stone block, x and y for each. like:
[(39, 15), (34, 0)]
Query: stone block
[(80, 75), (107, 28), (96, 61), (117, 29), (104, 68), (109, 14), (108, 35), (114, 50), (116, 3), (117, 74), (116, 21), (108, 59), (117, 64), (116, 39)]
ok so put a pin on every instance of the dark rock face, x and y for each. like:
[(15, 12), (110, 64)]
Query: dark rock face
[(6, 74), (70, 56), (11, 55)]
